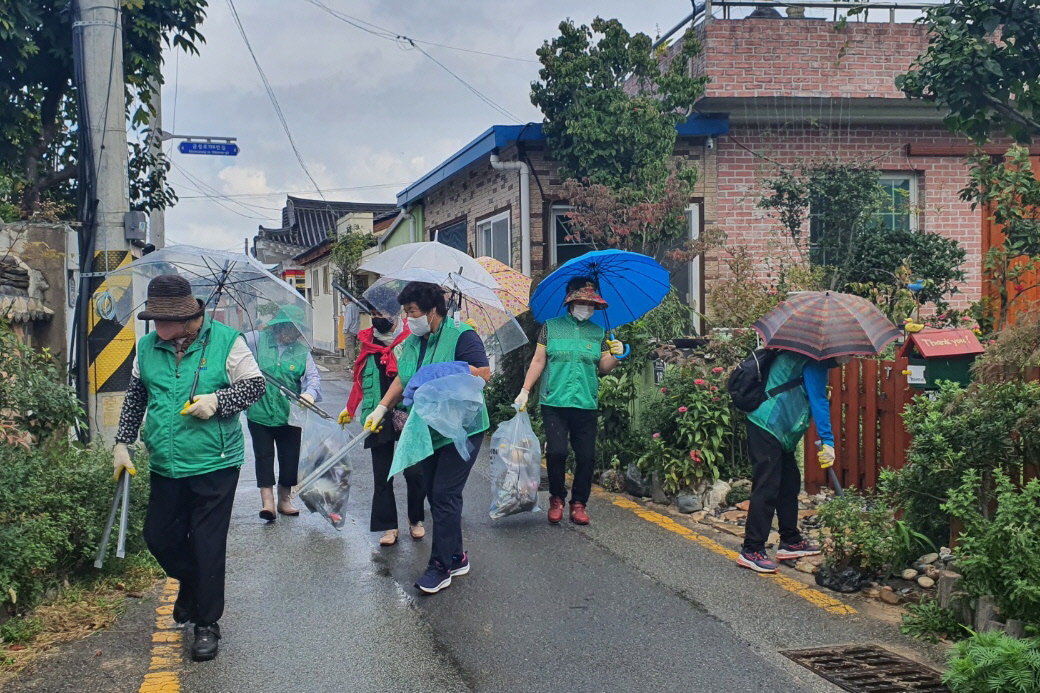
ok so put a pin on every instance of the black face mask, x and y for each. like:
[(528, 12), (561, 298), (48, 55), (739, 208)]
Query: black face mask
[(383, 325)]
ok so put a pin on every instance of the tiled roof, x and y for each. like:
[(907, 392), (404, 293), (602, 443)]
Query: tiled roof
[(306, 223)]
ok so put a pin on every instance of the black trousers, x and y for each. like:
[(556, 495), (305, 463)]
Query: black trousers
[(580, 425), (445, 473), (384, 504), (186, 528), (287, 439), (775, 483)]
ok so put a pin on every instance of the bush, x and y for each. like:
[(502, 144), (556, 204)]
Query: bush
[(993, 662), (1000, 555), (929, 621), (33, 399)]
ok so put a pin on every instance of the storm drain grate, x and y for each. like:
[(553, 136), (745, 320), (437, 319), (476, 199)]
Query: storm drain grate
[(868, 669)]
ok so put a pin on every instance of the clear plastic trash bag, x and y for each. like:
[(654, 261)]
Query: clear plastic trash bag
[(327, 495), (451, 406), (320, 438), (516, 467)]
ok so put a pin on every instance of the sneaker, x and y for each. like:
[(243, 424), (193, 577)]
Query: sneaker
[(459, 565), (207, 639), (436, 578), (757, 561), (799, 549), (555, 510), (579, 516)]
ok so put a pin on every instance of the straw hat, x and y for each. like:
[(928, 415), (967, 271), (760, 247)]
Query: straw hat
[(588, 294), (170, 300)]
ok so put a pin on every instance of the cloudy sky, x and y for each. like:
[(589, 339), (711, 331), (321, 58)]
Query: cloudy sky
[(369, 115)]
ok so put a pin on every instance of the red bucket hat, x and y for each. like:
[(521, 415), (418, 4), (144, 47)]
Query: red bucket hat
[(586, 293)]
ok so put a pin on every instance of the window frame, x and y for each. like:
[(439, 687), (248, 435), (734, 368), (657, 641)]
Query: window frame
[(912, 197), (451, 225), (489, 224), (555, 211)]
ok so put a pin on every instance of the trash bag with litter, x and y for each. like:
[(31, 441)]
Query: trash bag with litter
[(451, 406), (325, 466), (320, 438), (328, 493), (516, 467)]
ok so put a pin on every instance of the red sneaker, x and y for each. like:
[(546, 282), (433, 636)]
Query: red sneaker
[(555, 510), (578, 514)]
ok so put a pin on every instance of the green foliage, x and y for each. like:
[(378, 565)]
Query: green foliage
[(738, 495), (984, 85), (929, 621), (33, 398), (994, 662), (881, 253), (347, 247), (582, 97), (999, 555), (864, 535), (18, 631), (508, 379)]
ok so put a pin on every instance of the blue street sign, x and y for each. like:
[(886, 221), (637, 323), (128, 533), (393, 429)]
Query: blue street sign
[(212, 148)]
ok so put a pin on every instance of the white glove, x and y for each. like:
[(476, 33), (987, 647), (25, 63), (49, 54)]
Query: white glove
[(307, 398), (121, 461), (344, 418), (374, 421), (521, 400), (202, 407), (826, 456)]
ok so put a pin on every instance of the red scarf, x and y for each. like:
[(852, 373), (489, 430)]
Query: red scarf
[(369, 347)]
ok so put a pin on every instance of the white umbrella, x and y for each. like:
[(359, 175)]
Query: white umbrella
[(431, 262)]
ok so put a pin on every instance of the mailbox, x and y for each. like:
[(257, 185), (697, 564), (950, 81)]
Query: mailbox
[(935, 355)]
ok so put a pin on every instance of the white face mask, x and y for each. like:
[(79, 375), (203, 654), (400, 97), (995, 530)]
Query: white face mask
[(582, 313), (419, 326)]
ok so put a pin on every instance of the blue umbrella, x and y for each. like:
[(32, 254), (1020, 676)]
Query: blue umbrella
[(632, 285)]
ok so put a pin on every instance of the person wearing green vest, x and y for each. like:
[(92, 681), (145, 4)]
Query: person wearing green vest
[(195, 449), (773, 432), (574, 350), (284, 357), (438, 346)]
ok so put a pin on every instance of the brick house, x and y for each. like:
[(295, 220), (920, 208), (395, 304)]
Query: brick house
[(782, 90)]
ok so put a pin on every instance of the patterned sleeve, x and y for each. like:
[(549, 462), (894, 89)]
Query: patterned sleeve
[(543, 336), (239, 397), (134, 406)]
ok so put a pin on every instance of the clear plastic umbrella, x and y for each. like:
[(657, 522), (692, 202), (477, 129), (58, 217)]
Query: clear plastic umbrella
[(431, 262)]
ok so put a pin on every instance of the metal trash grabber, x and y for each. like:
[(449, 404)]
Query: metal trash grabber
[(120, 503), (328, 464), (285, 390)]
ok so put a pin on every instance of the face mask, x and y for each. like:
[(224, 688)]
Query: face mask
[(419, 326), (384, 325), (582, 313)]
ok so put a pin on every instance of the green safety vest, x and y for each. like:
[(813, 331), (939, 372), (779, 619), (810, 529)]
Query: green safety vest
[(573, 348), (180, 446), (440, 349), (288, 367), (787, 415), (370, 385)]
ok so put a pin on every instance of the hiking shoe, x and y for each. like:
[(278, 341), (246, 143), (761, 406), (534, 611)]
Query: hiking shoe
[(436, 578), (757, 561), (578, 514), (799, 549), (207, 640), (555, 510), (459, 564)]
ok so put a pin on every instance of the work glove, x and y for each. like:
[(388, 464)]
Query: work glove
[(616, 347), (307, 398), (202, 407), (374, 421), (826, 456), (521, 400), (121, 461), (344, 418), (432, 371)]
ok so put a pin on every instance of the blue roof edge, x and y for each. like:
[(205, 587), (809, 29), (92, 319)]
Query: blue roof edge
[(500, 136)]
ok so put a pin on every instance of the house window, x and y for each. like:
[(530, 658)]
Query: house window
[(564, 247), (453, 236), (494, 239), (314, 282), (326, 279), (900, 200)]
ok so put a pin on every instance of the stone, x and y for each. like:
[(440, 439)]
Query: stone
[(731, 529), (817, 560), (611, 480), (804, 566), (741, 485), (734, 516), (773, 539), (926, 582), (872, 593), (928, 558), (744, 505), (890, 597), (687, 503), (716, 495), (986, 612), (909, 574), (1015, 628), (932, 572), (948, 587), (699, 515), (657, 490), (637, 483)]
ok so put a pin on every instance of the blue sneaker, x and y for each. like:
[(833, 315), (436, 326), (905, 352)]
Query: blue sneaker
[(459, 565), (757, 561), (436, 578), (799, 549)]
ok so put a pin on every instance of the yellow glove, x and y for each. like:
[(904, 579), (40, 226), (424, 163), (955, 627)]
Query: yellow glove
[(521, 400), (374, 421), (616, 347), (121, 461), (826, 456), (307, 398), (202, 407), (344, 418)]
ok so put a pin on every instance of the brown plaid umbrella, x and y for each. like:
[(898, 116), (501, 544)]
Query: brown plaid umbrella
[(825, 324)]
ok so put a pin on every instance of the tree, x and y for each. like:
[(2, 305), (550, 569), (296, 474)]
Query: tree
[(347, 247), (981, 67), (38, 100)]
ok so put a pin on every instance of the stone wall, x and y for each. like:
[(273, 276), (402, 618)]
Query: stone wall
[(42, 247)]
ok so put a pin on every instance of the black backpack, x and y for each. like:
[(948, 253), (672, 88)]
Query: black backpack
[(747, 382)]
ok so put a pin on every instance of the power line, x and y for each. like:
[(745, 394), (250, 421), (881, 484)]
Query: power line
[(273, 98), (216, 196), (278, 193), (469, 86)]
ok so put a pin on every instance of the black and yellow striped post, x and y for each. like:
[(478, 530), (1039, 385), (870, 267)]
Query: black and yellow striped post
[(111, 346)]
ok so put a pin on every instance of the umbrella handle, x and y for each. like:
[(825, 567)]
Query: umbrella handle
[(623, 355)]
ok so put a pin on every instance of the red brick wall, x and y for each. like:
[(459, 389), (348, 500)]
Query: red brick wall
[(745, 159)]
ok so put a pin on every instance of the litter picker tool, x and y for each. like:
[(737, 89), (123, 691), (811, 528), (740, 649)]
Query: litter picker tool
[(120, 505), (288, 392)]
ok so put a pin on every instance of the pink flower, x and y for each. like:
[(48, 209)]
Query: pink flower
[(699, 381), (664, 390), (695, 455), (714, 399), (714, 388), (718, 369), (682, 410), (992, 341), (657, 435), (1020, 287)]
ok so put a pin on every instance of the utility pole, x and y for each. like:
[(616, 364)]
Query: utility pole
[(157, 217), (109, 345)]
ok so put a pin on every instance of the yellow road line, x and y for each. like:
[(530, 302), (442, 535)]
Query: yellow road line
[(162, 676), (809, 594)]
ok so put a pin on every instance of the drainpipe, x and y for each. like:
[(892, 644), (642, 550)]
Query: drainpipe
[(525, 207)]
